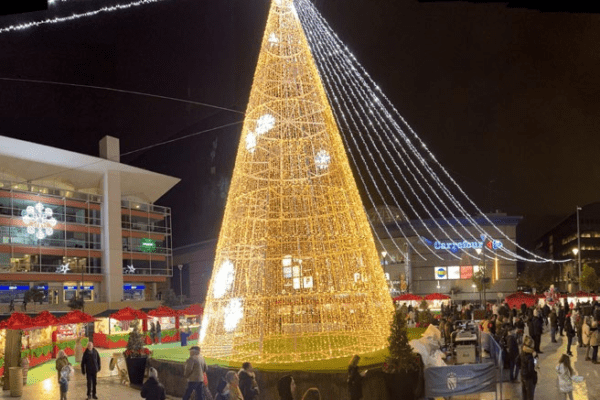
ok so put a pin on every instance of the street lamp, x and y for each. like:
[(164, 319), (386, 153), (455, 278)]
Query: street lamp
[(578, 254), (180, 266), (482, 263)]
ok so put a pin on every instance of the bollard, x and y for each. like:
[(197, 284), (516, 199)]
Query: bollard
[(16, 381)]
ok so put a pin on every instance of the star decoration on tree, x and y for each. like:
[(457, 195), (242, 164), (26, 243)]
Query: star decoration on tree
[(129, 270), (63, 269)]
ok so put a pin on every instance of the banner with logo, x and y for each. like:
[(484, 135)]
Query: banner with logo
[(456, 380)]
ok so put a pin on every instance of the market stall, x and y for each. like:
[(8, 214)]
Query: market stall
[(409, 299), (70, 328), (169, 324), (191, 317), (437, 299), (39, 338), (516, 299), (111, 332)]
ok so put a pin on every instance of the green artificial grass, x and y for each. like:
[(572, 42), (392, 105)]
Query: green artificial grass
[(331, 365), (175, 352)]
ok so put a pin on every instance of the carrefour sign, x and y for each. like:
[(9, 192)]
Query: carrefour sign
[(455, 246)]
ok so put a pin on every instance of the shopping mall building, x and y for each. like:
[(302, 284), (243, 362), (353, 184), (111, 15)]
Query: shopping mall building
[(415, 261), (72, 223)]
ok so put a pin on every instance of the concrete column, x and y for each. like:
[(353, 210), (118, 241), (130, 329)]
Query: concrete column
[(154, 291), (112, 247)]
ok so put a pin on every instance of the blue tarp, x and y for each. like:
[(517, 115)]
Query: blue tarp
[(456, 380)]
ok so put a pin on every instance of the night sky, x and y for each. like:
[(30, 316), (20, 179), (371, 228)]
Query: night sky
[(507, 99)]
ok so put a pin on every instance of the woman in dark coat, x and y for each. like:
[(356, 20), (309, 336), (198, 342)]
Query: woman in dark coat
[(153, 389)]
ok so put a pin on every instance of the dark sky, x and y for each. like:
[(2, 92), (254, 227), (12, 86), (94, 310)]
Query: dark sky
[(498, 94)]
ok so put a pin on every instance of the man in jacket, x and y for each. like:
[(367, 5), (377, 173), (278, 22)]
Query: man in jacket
[(553, 325), (248, 384), (90, 366), (195, 366), (561, 319), (527, 366), (153, 389), (513, 354), (570, 333), (538, 326), (585, 335)]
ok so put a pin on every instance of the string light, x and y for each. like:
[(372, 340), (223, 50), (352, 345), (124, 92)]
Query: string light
[(297, 274), (344, 76), (116, 7)]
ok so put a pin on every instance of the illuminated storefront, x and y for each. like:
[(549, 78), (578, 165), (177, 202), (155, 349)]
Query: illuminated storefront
[(447, 266)]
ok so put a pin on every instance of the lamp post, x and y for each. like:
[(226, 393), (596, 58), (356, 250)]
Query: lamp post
[(180, 266), (578, 249), (482, 263), (576, 253)]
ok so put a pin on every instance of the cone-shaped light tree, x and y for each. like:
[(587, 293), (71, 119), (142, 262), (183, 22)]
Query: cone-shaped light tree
[(297, 276)]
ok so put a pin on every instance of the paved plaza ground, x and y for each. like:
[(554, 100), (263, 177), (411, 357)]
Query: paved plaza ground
[(110, 388)]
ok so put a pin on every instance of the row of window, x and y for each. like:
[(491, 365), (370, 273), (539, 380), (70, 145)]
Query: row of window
[(35, 263), (54, 192)]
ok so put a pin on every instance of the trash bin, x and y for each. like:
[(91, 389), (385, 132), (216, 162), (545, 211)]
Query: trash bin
[(15, 381), (184, 338)]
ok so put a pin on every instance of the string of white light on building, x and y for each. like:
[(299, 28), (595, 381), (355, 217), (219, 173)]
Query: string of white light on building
[(315, 25), (75, 16)]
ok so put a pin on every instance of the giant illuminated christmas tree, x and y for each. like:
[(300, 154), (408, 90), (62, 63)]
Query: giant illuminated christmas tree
[(296, 275)]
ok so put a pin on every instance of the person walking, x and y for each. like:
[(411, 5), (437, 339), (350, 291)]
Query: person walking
[(90, 366), (570, 331), (527, 365), (594, 341), (158, 332), (561, 319), (194, 369), (286, 387), (11, 306), (248, 384), (538, 327), (565, 372), (152, 388), (61, 362), (355, 379), (512, 345), (63, 381), (553, 325), (585, 335), (152, 332)]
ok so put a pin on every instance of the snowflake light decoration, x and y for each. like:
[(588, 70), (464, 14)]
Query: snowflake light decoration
[(233, 314), (251, 142), (273, 38), (223, 279), (39, 221), (63, 269), (129, 270), (322, 159), (265, 124)]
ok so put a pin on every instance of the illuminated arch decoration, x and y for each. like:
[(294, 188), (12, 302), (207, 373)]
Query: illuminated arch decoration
[(296, 275)]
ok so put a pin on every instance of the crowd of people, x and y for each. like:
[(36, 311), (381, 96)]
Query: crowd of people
[(240, 385), (519, 330)]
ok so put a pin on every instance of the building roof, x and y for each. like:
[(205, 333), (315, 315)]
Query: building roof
[(35, 162)]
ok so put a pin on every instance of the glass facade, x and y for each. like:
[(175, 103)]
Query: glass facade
[(75, 245)]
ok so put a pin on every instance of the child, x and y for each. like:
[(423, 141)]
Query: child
[(565, 372), (65, 376)]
